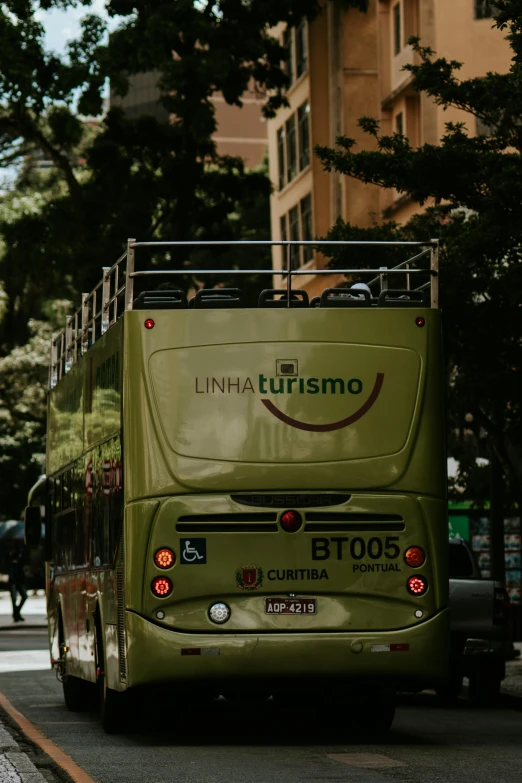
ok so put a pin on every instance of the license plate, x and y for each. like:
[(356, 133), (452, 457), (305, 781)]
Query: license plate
[(290, 606)]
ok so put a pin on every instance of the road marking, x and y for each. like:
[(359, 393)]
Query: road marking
[(64, 761), (24, 661), (368, 760)]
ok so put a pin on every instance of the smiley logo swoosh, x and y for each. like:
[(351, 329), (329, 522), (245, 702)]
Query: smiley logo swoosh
[(336, 425)]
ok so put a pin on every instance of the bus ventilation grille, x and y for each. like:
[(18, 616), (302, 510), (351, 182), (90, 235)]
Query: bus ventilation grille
[(291, 500), (121, 624)]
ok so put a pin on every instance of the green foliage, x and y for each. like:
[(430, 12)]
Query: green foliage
[(474, 184), (23, 385), (127, 177)]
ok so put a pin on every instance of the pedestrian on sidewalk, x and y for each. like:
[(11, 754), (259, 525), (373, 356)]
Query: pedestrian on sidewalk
[(16, 574)]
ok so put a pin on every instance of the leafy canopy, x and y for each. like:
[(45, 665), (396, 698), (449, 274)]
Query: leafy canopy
[(472, 187)]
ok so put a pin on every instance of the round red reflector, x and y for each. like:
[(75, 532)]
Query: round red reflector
[(417, 585), (291, 521), (165, 558), (414, 556), (420, 321), (162, 586), (149, 323)]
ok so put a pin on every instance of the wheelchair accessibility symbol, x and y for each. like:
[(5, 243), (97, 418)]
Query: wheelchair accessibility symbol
[(193, 551)]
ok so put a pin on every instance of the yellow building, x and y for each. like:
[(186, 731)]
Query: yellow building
[(348, 64)]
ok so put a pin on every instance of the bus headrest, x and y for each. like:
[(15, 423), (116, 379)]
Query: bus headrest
[(344, 297), (298, 298), (169, 299), (398, 297), (207, 298)]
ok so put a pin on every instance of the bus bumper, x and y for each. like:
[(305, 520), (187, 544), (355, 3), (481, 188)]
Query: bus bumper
[(408, 659)]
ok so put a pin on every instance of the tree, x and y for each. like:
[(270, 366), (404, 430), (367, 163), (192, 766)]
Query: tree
[(140, 176), (137, 177), (475, 184)]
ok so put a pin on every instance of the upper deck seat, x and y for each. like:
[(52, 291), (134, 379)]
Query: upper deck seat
[(343, 297), (398, 297), (208, 298), (298, 298), (315, 302), (169, 299)]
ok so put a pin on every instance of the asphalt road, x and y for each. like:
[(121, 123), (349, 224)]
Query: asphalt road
[(238, 742)]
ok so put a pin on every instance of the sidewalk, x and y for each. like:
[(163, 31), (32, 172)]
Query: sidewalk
[(34, 612), (15, 765)]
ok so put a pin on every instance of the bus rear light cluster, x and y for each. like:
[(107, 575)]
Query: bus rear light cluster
[(291, 521), (415, 556), (164, 558), (417, 585), (162, 586), (149, 324)]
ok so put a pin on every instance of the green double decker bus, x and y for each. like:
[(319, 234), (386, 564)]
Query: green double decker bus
[(248, 499)]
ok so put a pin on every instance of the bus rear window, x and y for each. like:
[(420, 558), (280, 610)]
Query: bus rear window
[(460, 564)]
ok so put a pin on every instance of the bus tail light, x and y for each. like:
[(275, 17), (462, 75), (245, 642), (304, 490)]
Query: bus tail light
[(417, 585), (149, 323), (164, 558), (162, 586), (414, 556), (291, 521)]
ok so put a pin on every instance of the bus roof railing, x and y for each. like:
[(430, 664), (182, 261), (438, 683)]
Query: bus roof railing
[(114, 294)]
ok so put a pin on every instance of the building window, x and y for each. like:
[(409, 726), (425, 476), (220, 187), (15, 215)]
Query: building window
[(283, 229), (281, 157), (306, 227), (291, 149), (484, 9), (293, 219), (399, 124), (297, 226), (301, 48), (295, 43), (397, 31), (303, 121), (483, 129), (288, 43)]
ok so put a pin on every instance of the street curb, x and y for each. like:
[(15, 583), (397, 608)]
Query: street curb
[(29, 740), (23, 627)]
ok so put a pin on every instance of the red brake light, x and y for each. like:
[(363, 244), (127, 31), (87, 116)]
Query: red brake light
[(165, 558), (414, 556), (149, 323), (291, 521), (420, 321), (162, 586), (417, 585)]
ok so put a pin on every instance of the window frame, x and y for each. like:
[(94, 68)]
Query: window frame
[(397, 28), (292, 153), (303, 121)]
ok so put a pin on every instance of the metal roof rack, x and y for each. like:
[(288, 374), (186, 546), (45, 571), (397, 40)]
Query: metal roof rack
[(114, 294)]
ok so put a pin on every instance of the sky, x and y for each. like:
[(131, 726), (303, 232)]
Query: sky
[(61, 26)]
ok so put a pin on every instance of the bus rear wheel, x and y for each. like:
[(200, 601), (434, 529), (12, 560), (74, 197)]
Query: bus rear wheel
[(79, 695), (376, 715), (114, 708)]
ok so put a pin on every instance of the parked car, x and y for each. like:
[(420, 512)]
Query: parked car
[(478, 626)]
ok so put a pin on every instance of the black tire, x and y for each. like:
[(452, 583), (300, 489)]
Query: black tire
[(377, 716), (114, 708), (484, 689), (449, 691), (79, 695)]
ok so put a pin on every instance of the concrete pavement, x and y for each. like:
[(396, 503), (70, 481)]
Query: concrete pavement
[(33, 612)]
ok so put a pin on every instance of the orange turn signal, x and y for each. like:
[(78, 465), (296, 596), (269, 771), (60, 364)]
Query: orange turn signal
[(164, 558)]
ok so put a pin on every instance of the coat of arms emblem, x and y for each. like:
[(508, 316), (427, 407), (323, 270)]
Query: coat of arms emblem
[(249, 577)]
